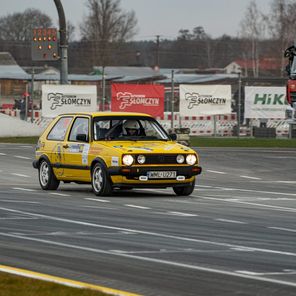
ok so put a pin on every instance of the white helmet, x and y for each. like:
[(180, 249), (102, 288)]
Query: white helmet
[(131, 124)]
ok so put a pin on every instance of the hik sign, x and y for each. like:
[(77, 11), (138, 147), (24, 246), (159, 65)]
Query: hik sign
[(265, 102)]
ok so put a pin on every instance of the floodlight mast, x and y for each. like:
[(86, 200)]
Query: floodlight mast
[(63, 42)]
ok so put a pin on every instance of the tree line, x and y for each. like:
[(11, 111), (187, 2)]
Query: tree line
[(108, 31)]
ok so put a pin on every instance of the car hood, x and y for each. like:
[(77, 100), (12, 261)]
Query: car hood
[(148, 147)]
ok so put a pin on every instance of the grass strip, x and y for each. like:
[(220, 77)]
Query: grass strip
[(199, 142), (13, 285), (242, 142), (19, 140)]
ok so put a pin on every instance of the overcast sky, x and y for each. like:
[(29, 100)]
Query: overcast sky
[(156, 17)]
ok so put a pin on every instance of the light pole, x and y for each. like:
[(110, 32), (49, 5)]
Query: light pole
[(63, 42), (173, 100), (239, 103)]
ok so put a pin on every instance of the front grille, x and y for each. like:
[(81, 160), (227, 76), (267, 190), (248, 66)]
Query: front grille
[(160, 158)]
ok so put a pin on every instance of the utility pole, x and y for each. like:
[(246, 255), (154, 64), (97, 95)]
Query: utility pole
[(173, 100), (63, 42), (239, 103), (156, 66)]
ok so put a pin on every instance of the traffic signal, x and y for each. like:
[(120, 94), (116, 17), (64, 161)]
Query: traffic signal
[(45, 44)]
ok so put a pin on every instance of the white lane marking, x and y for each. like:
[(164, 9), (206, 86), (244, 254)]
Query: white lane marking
[(158, 261), (216, 172), (96, 199), (137, 207), (284, 229), (22, 157), (284, 272), (275, 198), (182, 214), (96, 207), (250, 190), (59, 194), (19, 201), (23, 189), (135, 231), (249, 177), (20, 175), (23, 146), (286, 182), (230, 221), (275, 208), (3, 154)]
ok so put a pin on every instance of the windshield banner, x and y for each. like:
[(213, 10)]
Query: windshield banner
[(143, 98), (199, 100), (57, 99), (265, 102)]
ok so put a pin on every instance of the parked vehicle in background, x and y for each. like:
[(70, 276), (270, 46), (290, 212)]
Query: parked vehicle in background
[(114, 151)]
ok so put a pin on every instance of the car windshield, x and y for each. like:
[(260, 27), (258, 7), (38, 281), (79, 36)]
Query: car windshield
[(128, 128)]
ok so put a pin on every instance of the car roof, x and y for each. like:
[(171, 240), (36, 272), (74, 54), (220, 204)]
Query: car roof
[(94, 114)]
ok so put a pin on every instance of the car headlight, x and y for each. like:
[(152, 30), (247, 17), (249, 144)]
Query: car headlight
[(180, 158), (191, 159), (127, 160), (141, 159)]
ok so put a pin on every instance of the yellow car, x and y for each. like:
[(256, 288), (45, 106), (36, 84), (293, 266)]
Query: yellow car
[(113, 151)]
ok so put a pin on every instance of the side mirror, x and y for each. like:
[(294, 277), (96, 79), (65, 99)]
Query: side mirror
[(81, 137), (173, 137)]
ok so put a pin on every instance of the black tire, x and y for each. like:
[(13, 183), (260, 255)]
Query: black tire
[(184, 190), (100, 181), (47, 179)]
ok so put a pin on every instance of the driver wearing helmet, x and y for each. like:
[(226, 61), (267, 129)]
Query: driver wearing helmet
[(131, 128)]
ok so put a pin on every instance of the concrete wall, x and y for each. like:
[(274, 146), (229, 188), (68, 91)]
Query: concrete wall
[(14, 127)]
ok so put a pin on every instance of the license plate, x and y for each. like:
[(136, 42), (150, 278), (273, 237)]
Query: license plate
[(162, 174)]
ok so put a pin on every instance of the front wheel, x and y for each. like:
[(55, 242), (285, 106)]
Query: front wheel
[(184, 190), (100, 181), (47, 179)]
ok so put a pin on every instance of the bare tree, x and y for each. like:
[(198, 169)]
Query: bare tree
[(18, 26), (281, 24), (253, 30), (107, 23)]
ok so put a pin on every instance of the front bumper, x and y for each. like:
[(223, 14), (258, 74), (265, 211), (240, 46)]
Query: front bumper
[(133, 173)]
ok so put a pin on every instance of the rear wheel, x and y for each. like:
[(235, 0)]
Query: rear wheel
[(47, 179), (100, 181), (184, 190)]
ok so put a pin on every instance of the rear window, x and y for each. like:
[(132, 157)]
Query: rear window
[(59, 130)]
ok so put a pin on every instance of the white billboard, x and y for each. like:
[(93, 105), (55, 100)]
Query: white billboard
[(58, 99), (265, 102), (199, 100)]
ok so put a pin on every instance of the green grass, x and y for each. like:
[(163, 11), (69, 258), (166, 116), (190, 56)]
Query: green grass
[(20, 140), (242, 142), (200, 142), (12, 285)]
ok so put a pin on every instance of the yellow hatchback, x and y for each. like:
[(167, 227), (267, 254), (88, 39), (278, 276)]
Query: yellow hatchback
[(114, 151)]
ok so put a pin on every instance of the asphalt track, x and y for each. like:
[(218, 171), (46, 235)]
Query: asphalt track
[(236, 235)]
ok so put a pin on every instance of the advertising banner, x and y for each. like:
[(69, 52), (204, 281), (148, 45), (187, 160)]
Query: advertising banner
[(143, 98), (57, 99), (265, 102), (198, 100)]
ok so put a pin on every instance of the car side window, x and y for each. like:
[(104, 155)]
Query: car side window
[(59, 130), (80, 126)]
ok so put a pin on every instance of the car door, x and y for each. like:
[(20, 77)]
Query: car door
[(76, 150), (54, 145)]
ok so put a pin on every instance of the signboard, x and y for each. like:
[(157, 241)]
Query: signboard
[(57, 99), (143, 98), (198, 100), (265, 102), (44, 46)]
